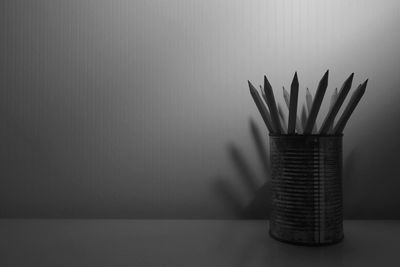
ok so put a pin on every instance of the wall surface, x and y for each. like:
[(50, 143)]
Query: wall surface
[(141, 109)]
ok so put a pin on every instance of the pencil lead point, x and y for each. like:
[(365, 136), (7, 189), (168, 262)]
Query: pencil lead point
[(266, 82), (250, 86), (295, 81), (285, 92), (324, 79), (326, 74), (364, 84), (349, 80)]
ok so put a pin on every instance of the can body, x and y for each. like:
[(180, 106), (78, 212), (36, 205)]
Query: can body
[(307, 200)]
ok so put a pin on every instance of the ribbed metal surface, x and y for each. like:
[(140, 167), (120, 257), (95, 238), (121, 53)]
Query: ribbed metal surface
[(307, 203)]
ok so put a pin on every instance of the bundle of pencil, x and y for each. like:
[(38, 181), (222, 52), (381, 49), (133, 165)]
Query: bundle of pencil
[(277, 123)]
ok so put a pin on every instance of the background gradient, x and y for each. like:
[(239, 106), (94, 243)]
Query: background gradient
[(140, 109)]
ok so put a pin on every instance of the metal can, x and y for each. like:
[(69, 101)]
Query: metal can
[(307, 198)]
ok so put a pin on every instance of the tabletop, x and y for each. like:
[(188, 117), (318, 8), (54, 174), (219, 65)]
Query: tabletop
[(120, 242)]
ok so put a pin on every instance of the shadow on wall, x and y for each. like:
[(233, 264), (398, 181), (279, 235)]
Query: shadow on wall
[(260, 204)]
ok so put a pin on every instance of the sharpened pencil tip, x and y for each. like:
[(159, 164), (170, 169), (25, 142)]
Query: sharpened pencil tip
[(326, 75), (251, 87), (295, 80), (285, 92), (351, 75), (266, 83), (364, 84), (349, 80), (324, 79)]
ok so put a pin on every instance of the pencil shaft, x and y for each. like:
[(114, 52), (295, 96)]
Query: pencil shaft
[(338, 103), (286, 97), (333, 100), (269, 94), (261, 108), (309, 101), (299, 126), (294, 93), (303, 116), (319, 95), (282, 118), (355, 98), (269, 114)]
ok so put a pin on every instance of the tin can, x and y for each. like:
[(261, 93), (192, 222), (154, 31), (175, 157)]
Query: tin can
[(307, 198)]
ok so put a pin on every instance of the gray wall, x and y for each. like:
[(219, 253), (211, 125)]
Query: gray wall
[(141, 109)]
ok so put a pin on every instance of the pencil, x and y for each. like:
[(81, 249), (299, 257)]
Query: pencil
[(281, 115), (294, 93), (355, 98), (263, 94), (333, 99), (338, 103), (282, 118), (303, 116), (309, 101), (265, 99), (319, 95), (269, 94), (261, 107), (286, 97)]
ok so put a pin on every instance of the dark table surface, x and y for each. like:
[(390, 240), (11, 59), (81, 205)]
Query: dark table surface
[(186, 243)]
